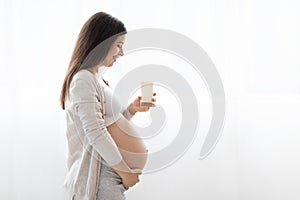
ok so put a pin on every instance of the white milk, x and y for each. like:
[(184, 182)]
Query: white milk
[(147, 92)]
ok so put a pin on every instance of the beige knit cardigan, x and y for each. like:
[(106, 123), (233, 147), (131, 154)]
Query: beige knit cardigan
[(87, 137)]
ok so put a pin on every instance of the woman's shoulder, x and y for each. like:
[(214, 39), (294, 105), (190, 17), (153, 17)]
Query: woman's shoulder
[(84, 79), (84, 84), (84, 74)]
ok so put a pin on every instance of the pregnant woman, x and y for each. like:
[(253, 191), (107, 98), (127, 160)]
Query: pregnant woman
[(105, 154)]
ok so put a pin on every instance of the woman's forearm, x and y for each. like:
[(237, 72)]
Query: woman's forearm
[(121, 167)]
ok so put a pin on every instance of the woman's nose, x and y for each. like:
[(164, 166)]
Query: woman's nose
[(121, 53)]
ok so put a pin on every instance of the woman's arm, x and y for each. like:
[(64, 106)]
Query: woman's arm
[(87, 107), (128, 112)]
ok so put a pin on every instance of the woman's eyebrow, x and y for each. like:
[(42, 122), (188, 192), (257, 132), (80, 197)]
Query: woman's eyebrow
[(121, 42)]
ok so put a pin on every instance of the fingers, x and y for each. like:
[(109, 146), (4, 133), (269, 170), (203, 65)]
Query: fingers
[(139, 97), (145, 108)]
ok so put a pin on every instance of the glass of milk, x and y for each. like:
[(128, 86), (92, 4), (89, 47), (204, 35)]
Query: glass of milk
[(147, 93)]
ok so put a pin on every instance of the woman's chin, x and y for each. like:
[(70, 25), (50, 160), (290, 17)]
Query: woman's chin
[(111, 64)]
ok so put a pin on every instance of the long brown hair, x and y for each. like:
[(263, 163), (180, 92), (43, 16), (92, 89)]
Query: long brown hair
[(101, 28)]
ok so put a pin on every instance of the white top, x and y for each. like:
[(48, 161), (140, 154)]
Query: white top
[(113, 107)]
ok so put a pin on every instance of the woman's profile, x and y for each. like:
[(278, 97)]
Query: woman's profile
[(103, 159)]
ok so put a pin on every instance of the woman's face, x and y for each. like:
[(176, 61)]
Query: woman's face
[(115, 51)]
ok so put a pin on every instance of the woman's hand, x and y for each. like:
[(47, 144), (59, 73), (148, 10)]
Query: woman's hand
[(130, 179), (129, 176), (135, 106)]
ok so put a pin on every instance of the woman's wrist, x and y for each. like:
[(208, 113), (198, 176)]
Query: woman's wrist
[(131, 110)]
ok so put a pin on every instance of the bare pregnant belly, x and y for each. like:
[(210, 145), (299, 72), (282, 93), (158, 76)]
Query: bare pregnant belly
[(130, 145)]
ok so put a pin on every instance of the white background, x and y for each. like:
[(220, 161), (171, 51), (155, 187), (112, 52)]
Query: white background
[(255, 46)]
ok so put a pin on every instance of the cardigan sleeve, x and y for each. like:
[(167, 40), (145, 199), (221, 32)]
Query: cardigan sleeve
[(89, 109), (126, 113)]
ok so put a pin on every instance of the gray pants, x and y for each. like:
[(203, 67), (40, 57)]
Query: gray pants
[(110, 186)]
